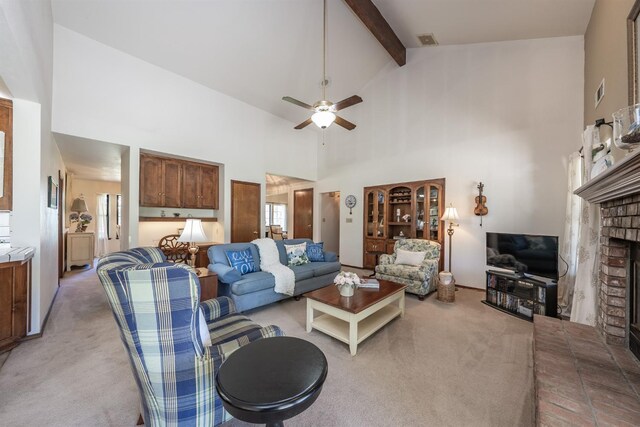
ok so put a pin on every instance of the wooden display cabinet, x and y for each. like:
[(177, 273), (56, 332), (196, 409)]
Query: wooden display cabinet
[(404, 210)]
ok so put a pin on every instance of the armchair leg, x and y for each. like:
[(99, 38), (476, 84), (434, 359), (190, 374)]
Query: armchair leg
[(421, 297), (297, 297), (140, 421)]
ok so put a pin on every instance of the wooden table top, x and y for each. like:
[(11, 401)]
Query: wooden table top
[(362, 298)]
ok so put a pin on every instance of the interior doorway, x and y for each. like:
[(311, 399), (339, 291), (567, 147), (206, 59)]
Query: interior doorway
[(330, 223)]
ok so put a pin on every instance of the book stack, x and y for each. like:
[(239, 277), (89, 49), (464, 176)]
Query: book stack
[(369, 284)]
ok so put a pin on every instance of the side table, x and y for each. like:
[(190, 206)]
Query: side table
[(271, 380), (208, 284)]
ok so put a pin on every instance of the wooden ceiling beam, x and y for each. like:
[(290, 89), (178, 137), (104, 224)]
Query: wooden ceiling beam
[(380, 28)]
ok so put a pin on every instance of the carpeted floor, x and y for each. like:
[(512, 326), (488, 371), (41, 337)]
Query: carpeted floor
[(442, 365)]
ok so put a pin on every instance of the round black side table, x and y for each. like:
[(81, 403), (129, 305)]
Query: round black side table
[(271, 379)]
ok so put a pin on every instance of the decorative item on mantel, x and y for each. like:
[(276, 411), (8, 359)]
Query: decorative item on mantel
[(193, 234), (79, 214), (626, 127), (347, 283)]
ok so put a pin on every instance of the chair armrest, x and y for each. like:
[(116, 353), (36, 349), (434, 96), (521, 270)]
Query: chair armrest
[(265, 332), (216, 308), (330, 256), (387, 259), (226, 274), (429, 265)]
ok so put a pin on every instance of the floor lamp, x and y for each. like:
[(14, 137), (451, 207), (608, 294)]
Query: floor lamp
[(451, 215), (193, 234)]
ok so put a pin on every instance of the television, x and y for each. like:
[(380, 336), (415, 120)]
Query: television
[(524, 254)]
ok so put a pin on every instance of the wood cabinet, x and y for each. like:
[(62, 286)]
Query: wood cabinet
[(80, 247), (405, 210), (15, 287), (200, 186), (6, 126), (208, 284), (171, 183)]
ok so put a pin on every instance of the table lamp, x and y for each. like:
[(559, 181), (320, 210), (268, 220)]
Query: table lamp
[(451, 215), (193, 234), (79, 206)]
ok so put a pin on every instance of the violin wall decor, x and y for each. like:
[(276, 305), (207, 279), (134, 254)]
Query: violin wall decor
[(480, 209)]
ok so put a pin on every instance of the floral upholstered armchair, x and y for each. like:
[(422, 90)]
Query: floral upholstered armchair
[(419, 274)]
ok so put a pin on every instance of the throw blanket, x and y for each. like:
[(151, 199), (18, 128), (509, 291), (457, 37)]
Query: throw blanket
[(270, 262)]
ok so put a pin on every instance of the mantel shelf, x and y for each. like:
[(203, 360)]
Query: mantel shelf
[(173, 219), (621, 180)]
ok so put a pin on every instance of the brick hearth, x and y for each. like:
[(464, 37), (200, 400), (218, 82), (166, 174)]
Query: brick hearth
[(620, 225)]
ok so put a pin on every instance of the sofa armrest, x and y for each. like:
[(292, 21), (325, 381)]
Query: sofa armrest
[(330, 256), (216, 308), (387, 259), (226, 274), (429, 265)]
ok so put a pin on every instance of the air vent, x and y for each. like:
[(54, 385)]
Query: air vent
[(427, 39)]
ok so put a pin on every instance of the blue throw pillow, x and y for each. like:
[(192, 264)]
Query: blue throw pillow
[(241, 260), (315, 252)]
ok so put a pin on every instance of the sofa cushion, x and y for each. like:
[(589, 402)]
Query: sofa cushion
[(296, 254), (304, 271), (217, 253), (315, 252), (253, 282), (322, 268), (241, 260)]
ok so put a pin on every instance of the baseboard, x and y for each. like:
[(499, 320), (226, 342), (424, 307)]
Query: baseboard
[(46, 319), (470, 287)]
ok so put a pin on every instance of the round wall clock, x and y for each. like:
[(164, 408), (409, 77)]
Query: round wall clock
[(350, 202)]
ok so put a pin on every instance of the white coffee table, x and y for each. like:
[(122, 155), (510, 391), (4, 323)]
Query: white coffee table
[(354, 319)]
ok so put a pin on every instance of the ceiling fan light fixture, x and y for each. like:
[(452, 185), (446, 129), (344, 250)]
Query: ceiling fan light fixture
[(323, 119)]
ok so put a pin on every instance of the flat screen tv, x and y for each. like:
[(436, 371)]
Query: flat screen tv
[(525, 254)]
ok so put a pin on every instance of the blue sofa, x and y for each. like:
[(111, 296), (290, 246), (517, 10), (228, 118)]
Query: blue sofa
[(256, 289)]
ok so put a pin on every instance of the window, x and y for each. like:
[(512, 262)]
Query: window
[(108, 210), (118, 210), (275, 214)]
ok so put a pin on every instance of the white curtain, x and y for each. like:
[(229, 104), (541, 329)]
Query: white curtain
[(102, 239), (569, 242), (585, 295)]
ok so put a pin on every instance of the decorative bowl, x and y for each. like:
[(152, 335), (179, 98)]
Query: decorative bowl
[(626, 127)]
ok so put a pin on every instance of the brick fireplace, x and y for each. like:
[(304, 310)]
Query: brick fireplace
[(618, 193)]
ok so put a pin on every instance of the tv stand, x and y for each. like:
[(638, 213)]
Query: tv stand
[(521, 296)]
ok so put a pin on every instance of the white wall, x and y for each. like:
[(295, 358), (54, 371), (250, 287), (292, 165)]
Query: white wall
[(26, 49), (507, 114), (106, 95)]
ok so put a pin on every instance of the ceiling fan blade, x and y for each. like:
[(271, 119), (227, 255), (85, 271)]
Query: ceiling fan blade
[(298, 103), (352, 100), (304, 124), (344, 123)]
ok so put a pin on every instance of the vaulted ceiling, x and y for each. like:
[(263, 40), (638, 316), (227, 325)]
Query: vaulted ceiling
[(260, 50)]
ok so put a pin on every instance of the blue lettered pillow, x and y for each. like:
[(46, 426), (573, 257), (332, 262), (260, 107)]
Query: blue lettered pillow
[(315, 252), (241, 260)]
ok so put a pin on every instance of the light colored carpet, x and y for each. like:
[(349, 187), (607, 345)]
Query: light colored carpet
[(442, 365)]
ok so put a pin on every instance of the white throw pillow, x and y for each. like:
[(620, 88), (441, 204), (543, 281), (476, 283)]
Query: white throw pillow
[(296, 254), (409, 257), (205, 337)]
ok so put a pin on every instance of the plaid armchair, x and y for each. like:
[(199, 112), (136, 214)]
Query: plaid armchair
[(155, 305), (420, 280)]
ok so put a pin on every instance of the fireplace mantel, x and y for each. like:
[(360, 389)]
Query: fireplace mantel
[(621, 180)]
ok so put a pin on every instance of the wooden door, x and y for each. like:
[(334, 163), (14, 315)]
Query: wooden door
[(245, 211), (150, 181), (209, 187), (171, 181), (303, 214), (190, 185)]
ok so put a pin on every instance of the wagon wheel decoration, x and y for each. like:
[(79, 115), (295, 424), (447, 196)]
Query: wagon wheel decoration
[(174, 251)]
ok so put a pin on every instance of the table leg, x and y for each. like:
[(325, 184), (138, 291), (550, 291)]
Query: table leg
[(353, 335), (309, 315), (401, 304)]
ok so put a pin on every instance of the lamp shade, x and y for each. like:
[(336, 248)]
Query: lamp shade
[(323, 119), (79, 205), (193, 232), (450, 214)]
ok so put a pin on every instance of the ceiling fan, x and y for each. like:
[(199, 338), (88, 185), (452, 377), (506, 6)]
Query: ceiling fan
[(325, 111)]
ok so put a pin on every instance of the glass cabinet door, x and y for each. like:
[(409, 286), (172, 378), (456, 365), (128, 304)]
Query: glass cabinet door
[(380, 199), (434, 213), (420, 226), (370, 226)]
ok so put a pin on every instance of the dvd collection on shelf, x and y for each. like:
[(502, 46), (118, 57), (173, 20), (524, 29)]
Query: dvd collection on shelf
[(522, 297)]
